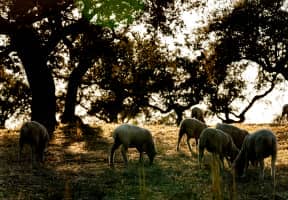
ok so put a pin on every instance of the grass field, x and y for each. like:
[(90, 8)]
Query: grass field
[(76, 167)]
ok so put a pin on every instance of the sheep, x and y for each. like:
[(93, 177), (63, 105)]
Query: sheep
[(132, 136), (217, 142), (256, 146), (197, 113), (36, 135), (192, 128), (236, 133), (285, 111)]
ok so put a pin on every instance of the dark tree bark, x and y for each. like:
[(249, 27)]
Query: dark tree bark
[(73, 84), (176, 107), (179, 112), (93, 46), (30, 51)]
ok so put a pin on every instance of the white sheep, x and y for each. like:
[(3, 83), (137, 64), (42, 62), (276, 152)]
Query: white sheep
[(197, 113), (217, 142), (36, 135), (255, 148), (236, 133), (132, 136), (192, 128)]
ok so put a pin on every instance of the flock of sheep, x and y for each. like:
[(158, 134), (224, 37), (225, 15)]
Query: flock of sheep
[(236, 145)]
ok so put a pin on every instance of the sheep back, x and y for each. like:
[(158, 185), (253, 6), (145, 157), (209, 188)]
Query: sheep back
[(36, 135), (238, 135), (218, 142), (256, 146), (131, 136), (198, 114), (192, 128)]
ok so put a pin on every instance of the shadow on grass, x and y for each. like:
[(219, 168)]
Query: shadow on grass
[(174, 175), (52, 180), (19, 180), (92, 136), (165, 179)]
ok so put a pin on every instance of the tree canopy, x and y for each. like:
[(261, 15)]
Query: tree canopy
[(91, 54), (253, 32)]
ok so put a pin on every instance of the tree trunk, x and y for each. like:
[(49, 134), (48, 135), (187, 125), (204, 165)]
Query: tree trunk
[(179, 113), (73, 84), (34, 59)]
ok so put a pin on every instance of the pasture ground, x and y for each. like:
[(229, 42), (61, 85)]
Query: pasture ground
[(76, 167)]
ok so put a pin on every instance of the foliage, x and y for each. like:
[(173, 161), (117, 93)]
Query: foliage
[(141, 79), (15, 96), (110, 13), (50, 24), (251, 33), (127, 81), (91, 49), (257, 33)]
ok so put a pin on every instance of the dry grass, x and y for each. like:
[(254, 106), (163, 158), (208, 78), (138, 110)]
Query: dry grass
[(77, 168)]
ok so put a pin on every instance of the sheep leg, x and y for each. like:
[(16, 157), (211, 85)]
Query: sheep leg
[(181, 133), (246, 163), (189, 145), (261, 175), (221, 157), (141, 157), (221, 161), (42, 154), (20, 150), (273, 161), (200, 156), (113, 148), (124, 150), (196, 141), (33, 155), (140, 149)]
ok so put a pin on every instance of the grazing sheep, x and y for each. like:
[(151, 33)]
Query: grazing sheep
[(34, 134), (285, 111), (255, 148), (132, 136), (217, 142), (192, 128), (198, 114), (236, 133)]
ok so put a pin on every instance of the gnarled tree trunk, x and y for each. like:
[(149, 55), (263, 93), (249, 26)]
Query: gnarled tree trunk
[(73, 84), (34, 59)]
